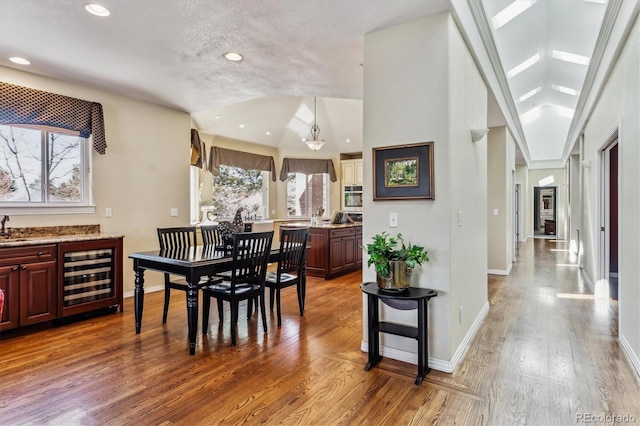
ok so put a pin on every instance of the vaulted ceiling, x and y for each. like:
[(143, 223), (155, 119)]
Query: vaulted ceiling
[(171, 53)]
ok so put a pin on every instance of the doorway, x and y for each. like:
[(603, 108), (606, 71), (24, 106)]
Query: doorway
[(609, 225), (544, 211)]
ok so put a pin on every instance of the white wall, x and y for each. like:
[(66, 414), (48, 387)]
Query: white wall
[(144, 173), (408, 99), (500, 168), (618, 106)]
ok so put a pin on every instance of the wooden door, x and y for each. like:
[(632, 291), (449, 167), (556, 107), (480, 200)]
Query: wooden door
[(349, 252)]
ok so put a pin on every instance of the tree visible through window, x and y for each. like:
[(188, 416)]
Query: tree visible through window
[(38, 166), (235, 187)]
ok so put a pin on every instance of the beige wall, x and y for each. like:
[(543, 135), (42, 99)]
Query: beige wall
[(407, 100), (522, 177), (144, 173), (618, 107), (500, 167)]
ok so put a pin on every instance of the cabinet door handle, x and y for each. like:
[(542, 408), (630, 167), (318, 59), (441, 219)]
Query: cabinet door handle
[(24, 267), (40, 253), (15, 268)]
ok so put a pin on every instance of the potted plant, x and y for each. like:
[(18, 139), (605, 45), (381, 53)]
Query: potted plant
[(394, 260)]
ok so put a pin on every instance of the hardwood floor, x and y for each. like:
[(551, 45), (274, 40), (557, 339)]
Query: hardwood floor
[(546, 353)]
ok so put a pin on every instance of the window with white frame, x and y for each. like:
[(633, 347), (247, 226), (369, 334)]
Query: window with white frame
[(43, 167), (307, 193)]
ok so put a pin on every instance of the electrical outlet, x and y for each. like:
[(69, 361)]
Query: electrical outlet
[(174, 212), (108, 212), (393, 220), (460, 314), (459, 217)]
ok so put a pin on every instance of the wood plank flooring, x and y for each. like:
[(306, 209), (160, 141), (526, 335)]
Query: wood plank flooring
[(546, 353)]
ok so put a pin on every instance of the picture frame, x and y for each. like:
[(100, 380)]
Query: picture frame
[(403, 172)]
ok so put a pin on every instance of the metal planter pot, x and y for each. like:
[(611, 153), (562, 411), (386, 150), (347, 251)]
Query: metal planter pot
[(399, 279)]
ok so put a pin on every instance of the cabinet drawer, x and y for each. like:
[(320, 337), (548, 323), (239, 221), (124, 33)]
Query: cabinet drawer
[(343, 232), (12, 256)]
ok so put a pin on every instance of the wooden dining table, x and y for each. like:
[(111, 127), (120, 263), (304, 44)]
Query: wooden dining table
[(192, 263)]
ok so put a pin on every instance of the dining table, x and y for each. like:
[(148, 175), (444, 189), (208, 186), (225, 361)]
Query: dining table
[(192, 263)]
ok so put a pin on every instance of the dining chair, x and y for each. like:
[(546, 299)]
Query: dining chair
[(250, 258), (290, 271), (173, 241), (211, 236)]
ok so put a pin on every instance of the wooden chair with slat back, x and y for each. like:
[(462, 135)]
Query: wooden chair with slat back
[(174, 240), (290, 272), (250, 258)]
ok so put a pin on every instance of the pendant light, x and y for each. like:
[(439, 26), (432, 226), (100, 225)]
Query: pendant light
[(314, 143)]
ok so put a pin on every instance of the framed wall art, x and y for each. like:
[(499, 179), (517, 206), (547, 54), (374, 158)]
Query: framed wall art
[(403, 172)]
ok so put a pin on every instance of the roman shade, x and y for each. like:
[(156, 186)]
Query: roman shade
[(308, 166), (244, 160), (22, 105), (198, 151)]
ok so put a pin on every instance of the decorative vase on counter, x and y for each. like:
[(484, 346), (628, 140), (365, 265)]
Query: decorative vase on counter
[(399, 277)]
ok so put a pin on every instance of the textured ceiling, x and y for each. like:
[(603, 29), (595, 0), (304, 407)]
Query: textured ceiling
[(170, 52)]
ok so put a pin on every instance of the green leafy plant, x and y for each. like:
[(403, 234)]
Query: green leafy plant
[(386, 248)]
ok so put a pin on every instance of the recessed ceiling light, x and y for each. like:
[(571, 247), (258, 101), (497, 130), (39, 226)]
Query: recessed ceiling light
[(566, 90), (218, 116), (529, 94), (19, 60), (96, 9), (510, 12), (268, 133), (347, 140), (523, 66), (570, 57), (233, 56), (242, 126)]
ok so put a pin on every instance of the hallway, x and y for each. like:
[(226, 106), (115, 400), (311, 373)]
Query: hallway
[(548, 352)]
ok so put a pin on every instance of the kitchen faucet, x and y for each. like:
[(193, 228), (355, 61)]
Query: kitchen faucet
[(3, 232)]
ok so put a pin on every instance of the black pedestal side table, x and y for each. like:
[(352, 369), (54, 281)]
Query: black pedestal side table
[(411, 298)]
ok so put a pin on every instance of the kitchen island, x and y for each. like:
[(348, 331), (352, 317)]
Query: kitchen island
[(334, 250)]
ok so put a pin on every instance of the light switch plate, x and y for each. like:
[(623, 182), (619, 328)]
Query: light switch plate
[(495, 212), (174, 212), (108, 212), (459, 217), (393, 220)]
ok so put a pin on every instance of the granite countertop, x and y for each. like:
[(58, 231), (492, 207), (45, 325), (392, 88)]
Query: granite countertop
[(53, 235)]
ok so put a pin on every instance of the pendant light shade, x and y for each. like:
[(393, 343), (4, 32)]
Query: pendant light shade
[(315, 143)]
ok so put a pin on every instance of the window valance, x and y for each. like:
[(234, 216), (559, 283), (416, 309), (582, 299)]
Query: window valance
[(244, 160), (308, 166), (22, 105), (198, 151)]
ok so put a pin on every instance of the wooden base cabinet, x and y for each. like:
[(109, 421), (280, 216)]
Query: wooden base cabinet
[(28, 275), (334, 251), (48, 282)]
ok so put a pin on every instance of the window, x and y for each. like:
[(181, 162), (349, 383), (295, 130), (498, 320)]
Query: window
[(41, 167), (305, 193), (235, 187)]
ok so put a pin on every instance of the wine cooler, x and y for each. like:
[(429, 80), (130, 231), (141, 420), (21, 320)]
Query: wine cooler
[(90, 276)]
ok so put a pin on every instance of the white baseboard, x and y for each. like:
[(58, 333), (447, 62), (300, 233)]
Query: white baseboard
[(435, 363), (500, 271), (464, 345), (632, 356), (146, 290), (586, 278)]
